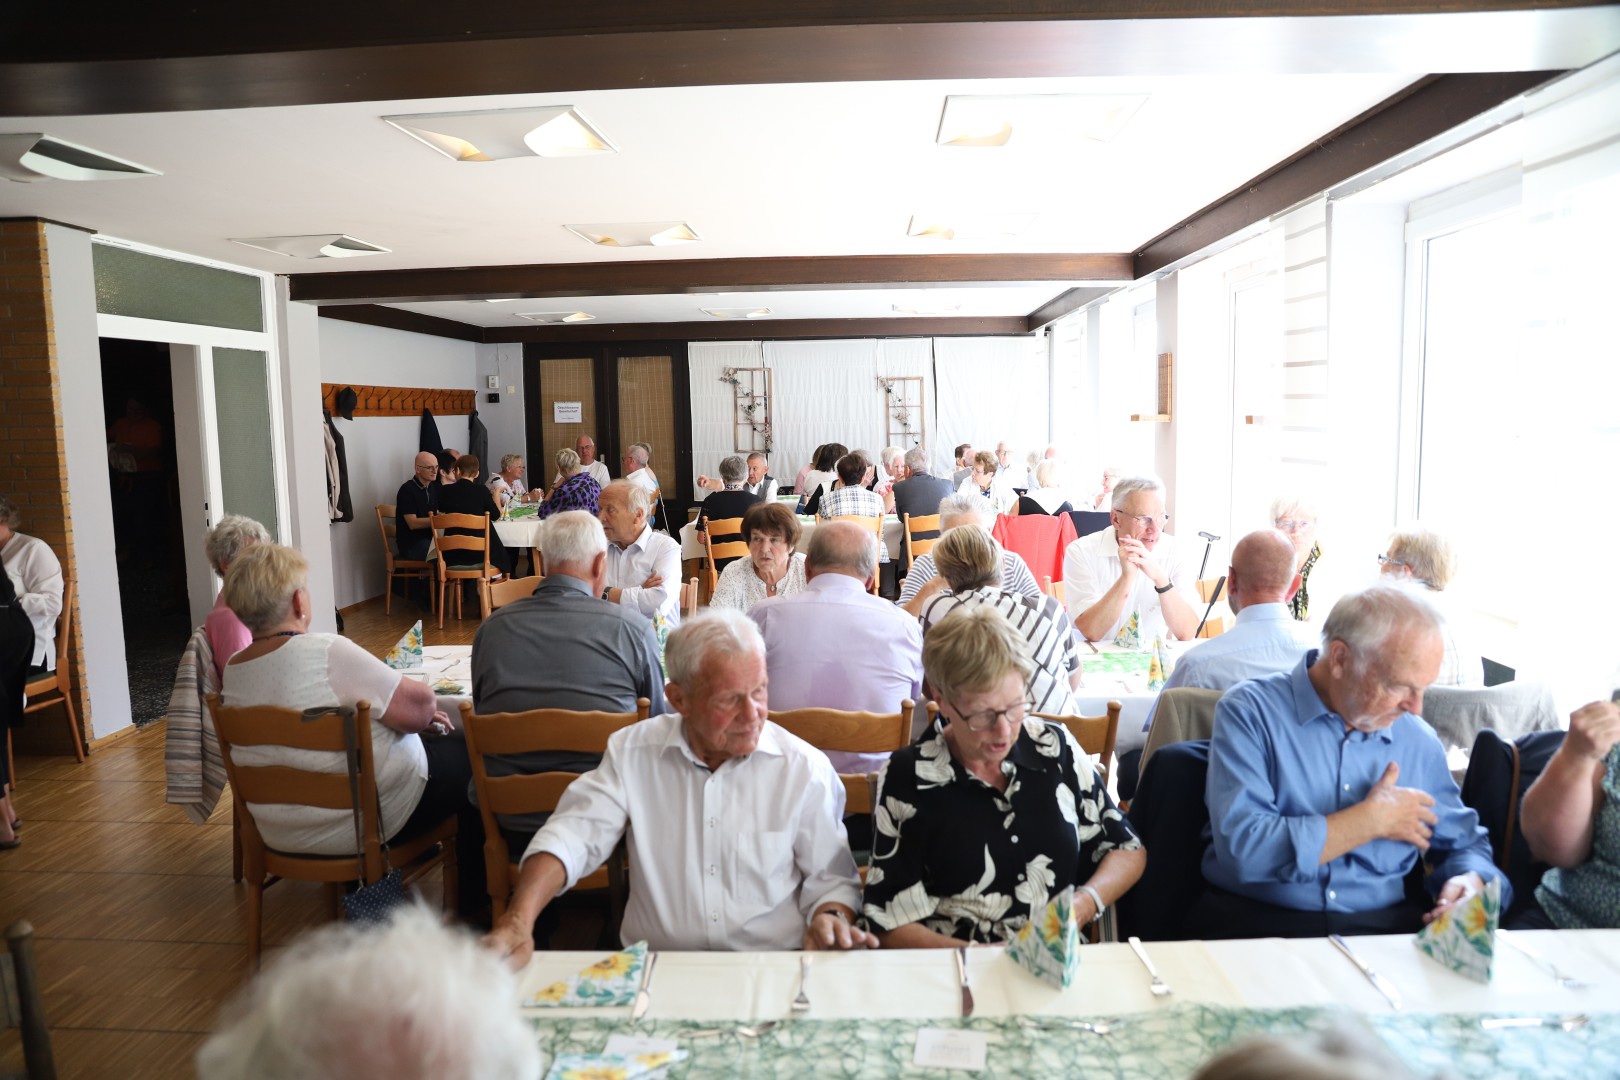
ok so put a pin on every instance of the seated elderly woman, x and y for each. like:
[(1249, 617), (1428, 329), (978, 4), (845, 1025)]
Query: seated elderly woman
[(969, 559), (227, 635), (578, 490), (968, 848), (508, 484), (1296, 518), (1049, 492), (422, 773), (1571, 818), (982, 482), (1426, 558), (773, 566)]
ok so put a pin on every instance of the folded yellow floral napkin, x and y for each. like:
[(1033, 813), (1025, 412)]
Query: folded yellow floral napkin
[(407, 653), (1464, 938), (1130, 635), (1048, 946), (612, 1066), (1156, 665), (612, 980), (444, 685)]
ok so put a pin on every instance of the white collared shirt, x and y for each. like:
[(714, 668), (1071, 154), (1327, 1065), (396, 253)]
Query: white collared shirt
[(765, 489), (736, 858), (644, 477), (1091, 566), (650, 553), (599, 473), (36, 577)]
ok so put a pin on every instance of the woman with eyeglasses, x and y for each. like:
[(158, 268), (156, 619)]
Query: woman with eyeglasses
[(1426, 558), (1296, 518), (968, 849)]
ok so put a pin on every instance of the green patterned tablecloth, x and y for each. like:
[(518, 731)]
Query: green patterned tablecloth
[(1116, 662), (1167, 1043)]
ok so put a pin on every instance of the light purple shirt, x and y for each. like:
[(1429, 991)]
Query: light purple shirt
[(836, 646)]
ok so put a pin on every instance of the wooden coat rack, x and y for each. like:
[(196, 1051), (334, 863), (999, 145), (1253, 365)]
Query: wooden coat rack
[(400, 400)]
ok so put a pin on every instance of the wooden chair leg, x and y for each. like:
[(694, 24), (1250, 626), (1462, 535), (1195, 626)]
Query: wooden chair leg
[(255, 922), (11, 760), (73, 721), (334, 900), (442, 584), (388, 595)]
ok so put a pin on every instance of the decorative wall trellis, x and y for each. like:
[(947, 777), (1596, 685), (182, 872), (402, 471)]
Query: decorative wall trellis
[(904, 422), (751, 408)]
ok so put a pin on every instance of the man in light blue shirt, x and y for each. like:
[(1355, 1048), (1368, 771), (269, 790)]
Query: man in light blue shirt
[(1326, 788), (1266, 638)]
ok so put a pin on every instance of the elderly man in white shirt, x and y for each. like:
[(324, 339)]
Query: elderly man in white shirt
[(734, 825), (1131, 568), (585, 447), (644, 567), (924, 582), (636, 471)]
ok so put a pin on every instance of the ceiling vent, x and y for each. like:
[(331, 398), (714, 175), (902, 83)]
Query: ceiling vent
[(314, 246), (636, 234), (33, 156), (497, 134), (555, 317)]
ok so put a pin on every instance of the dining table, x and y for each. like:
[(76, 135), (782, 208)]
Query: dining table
[(1117, 673), (868, 1012)]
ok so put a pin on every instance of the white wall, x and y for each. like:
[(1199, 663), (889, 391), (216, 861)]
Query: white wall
[(84, 441), (504, 419), (379, 449)]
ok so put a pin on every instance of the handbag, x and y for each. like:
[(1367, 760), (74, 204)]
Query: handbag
[(375, 903)]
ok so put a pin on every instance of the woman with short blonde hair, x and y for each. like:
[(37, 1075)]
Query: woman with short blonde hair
[(227, 634), (578, 490), (1422, 557)]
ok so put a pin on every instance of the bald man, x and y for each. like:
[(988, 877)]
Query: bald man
[(418, 497), (1265, 638)]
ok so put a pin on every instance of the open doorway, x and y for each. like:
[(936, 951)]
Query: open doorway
[(148, 542)]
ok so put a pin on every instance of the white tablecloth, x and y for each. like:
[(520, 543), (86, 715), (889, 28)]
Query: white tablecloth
[(449, 663), (692, 544), (1135, 699), (522, 533)]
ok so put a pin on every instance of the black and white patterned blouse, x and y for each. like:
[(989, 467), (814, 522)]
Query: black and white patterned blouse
[(970, 862)]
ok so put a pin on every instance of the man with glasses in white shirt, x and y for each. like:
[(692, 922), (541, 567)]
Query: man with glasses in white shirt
[(1131, 568)]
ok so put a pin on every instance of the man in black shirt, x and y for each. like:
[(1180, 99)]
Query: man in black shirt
[(468, 496), (418, 497)]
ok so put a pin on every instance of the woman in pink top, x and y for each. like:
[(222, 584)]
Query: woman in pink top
[(226, 541)]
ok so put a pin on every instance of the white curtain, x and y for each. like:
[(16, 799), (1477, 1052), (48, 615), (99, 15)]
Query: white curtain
[(826, 391), (992, 390), (714, 434)]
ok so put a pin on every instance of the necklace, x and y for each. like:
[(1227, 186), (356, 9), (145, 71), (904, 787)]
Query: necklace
[(279, 633)]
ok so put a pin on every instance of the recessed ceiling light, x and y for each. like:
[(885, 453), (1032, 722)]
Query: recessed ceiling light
[(991, 119), (31, 156), (967, 226), (926, 309), (555, 316), (496, 134), (315, 246), (737, 312), (636, 234)]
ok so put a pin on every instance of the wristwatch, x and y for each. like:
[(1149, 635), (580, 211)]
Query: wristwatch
[(1167, 587), (1096, 899)]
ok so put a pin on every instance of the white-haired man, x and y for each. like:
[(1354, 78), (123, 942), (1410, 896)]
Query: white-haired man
[(1326, 787), (835, 645), (733, 824), (415, 1000), (758, 482), (643, 567), (923, 582), (1131, 571), (585, 447), (636, 456), (564, 648)]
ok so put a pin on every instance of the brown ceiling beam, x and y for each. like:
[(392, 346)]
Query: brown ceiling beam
[(1422, 111), (1065, 304), (764, 329), (48, 67), (646, 277), (412, 321)]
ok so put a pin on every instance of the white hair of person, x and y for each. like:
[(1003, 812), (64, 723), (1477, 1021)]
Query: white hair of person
[(1366, 618), (1049, 473), (962, 509), (1126, 486), (9, 515), (1341, 1052), (842, 545), (641, 453), (636, 496), (567, 462), (261, 583), (892, 456), (733, 469), (715, 630), (572, 537), (233, 535), (509, 460), (1293, 506), (758, 455), (1430, 556), (413, 999), (916, 459)]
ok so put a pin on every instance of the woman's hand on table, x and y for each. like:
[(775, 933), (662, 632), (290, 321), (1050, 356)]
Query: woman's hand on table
[(830, 929)]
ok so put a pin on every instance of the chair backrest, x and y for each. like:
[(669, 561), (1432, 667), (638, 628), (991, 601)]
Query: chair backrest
[(1087, 522), (1169, 815), (538, 730), (64, 631), (330, 731), (386, 512), (1458, 714), (689, 597), (1500, 771), (722, 544), (1181, 714), (22, 1005), (913, 529), (1095, 734), (445, 542), (1207, 586), (1052, 588), (849, 732), (504, 592), (1027, 505)]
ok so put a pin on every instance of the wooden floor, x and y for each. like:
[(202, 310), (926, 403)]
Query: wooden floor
[(140, 931)]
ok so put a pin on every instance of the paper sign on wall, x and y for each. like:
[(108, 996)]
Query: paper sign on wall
[(568, 412)]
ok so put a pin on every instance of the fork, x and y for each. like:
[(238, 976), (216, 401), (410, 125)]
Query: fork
[(746, 1031), (1564, 981), (1565, 1023), (1159, 987), (801, 1004), (1038, 1022)]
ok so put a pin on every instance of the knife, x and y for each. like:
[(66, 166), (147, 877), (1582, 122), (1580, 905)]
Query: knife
[(962, 973), (643, 997), (1381, 984)]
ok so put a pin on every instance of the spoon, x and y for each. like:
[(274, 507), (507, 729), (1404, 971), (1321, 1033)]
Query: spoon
[(1096, 1028), (1567, 1023)]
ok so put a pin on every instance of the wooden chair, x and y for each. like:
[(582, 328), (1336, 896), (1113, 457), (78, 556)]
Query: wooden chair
[(911, 530), (56, 687), (398, 568), (876, 525), (689, 598), (537, 731), (331, 732), (1095, 734), (1052, 588), (1210, 589), (854, 733), (22, 1006), (722, 542), (448, 542), (504, 592)]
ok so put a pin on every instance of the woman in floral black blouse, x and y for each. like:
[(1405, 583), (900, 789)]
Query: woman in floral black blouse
[(984, 822)]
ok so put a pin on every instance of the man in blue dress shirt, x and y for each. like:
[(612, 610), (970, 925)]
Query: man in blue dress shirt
[(1326, 788)]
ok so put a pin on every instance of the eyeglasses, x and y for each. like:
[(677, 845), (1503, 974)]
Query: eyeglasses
[(1145, 521), (1385, 560), (985, 720), (1290, 525)]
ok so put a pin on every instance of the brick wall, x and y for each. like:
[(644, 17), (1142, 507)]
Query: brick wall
[(31, 450)]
